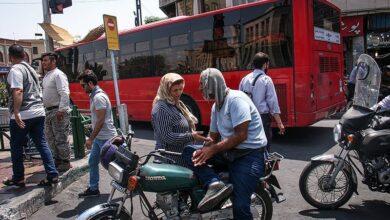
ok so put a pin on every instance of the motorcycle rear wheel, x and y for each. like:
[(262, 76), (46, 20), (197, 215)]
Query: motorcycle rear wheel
[(261, 205), (312, 183)]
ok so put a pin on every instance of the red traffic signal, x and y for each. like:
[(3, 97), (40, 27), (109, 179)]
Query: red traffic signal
[(57, 6)]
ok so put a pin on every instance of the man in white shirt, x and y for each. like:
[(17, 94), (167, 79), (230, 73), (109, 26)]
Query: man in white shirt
[(56, 101)]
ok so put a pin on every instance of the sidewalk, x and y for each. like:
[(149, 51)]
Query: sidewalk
[(20, 203)]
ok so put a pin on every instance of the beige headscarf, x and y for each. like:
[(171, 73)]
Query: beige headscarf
[(163, 93), (213, 84)]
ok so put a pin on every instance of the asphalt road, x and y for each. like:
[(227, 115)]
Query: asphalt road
[(298, 146)]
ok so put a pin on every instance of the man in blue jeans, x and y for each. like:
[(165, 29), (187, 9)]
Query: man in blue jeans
[(27, 118), (238, 141), (102, 125)]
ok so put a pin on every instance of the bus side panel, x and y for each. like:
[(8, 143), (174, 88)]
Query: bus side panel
[(303, 77), (138, 94), (329, 83)]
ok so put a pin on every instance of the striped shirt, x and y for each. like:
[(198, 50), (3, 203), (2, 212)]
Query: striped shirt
[(171, 129)]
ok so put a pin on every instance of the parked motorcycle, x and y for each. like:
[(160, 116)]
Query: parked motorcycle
[(178, 191), (329, 181)]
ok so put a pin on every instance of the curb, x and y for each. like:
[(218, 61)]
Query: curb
[(24, 206)]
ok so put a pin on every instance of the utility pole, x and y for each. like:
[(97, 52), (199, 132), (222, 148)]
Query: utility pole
[(49, 45), (139, 13)]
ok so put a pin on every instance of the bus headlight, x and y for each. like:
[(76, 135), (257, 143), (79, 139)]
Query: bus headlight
[(337, 133), (116, 172)]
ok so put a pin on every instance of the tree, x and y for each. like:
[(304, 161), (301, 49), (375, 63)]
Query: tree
[(150, 19)]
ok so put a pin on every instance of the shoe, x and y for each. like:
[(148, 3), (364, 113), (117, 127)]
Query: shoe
[(48, 181), (89, 193), (63, 166), (216, 192), (10, 182)]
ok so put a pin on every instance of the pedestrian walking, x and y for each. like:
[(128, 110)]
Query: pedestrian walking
[(103, 128), (27, 118), (56, 101), (260, 88)]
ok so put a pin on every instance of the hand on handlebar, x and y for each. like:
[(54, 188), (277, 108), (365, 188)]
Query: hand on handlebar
[(199, 157)]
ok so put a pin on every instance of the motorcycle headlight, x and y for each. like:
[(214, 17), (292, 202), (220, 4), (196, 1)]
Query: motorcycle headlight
[(337, 133), (116, 172)]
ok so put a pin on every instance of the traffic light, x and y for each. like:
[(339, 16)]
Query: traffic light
[(218, 24), (57, 6)]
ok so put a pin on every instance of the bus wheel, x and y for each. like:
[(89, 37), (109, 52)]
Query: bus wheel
[(191, 105)]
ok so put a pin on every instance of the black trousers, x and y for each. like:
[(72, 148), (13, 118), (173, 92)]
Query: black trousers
[(267, 120)]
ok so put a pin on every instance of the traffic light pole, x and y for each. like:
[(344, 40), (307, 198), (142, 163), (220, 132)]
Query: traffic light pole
[(49, 45), (139, 13)]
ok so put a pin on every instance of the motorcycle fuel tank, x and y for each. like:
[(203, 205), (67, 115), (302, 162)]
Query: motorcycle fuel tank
[(166, 177), (375, 143)]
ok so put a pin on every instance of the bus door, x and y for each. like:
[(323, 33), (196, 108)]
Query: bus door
[(327, 81)]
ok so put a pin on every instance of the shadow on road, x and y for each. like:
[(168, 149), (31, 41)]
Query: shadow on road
[(142, 130), (357, 212), (84, 205), (303, 143)]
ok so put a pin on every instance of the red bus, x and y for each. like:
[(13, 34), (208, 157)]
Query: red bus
[(302, 38)]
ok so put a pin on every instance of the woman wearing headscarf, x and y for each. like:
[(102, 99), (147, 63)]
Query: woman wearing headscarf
[(173, 123)]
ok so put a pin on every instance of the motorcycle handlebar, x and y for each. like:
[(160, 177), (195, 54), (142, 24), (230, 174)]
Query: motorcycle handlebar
[(153, 153), (168, 152)]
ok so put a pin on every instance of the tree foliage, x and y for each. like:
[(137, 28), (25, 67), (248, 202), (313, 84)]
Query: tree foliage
[(150, 19)]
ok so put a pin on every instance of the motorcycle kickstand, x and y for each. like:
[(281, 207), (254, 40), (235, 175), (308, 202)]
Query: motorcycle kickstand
[(279, 197)]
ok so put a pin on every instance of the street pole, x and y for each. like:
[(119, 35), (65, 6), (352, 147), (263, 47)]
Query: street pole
[(49, 45), (139, 13)]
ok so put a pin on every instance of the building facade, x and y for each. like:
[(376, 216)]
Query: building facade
[(174, 8), (5, 64), (365, 29), (6, 43)]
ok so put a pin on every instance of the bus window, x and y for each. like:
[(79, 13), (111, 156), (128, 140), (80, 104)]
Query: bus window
[(137, 63), (267, 28), (102, 65), (326, 17), (216, 42), (65, 62), (127, 49), (171, 49)]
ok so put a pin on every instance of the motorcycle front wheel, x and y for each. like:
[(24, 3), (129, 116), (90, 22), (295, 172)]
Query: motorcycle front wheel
[(316, 190), (104, 212), (261, 205)]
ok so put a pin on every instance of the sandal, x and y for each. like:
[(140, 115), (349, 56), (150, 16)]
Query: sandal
[(10, 182), (48, 182)]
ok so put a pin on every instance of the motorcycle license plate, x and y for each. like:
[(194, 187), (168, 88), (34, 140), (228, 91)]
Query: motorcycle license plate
[(118, 187)]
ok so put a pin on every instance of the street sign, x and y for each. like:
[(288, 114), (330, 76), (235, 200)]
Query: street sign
[(111, 29), (4, 69)]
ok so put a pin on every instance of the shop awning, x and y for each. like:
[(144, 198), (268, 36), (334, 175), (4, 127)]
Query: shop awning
[(58, 34)]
